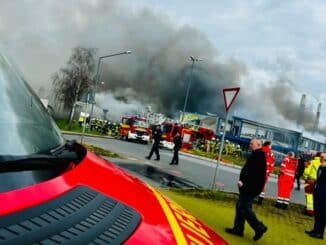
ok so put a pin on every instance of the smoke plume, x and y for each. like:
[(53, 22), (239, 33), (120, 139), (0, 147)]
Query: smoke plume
[(157, 72)]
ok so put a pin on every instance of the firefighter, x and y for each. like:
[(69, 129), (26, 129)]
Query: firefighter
[(92, 125), (105, 128), (310, 176), (81, 120), (213, 146), (177, 146), (286, 180), (157, 136), (267, 149), (115, 129), (201, 144), (238, 150)]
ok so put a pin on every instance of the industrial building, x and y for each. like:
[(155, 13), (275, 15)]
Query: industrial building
[(241, 130)]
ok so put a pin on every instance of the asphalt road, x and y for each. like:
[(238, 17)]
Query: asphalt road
[(199, 171)]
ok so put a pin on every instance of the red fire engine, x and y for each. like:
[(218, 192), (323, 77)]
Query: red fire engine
[(168, 131), (134, 128), (188, 134)]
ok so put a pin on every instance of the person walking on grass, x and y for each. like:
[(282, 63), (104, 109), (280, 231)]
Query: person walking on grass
[(286, 180), (299, 171), (310, 176), (267, 149), (250, 184), (319, 196)]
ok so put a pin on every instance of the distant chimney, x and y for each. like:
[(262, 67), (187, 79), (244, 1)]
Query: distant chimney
[(302, 108), (316, 124)]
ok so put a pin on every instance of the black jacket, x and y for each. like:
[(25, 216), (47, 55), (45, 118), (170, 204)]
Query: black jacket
[(177, 143), (300, 168), (157, 135), (253, 173), (320, 185)]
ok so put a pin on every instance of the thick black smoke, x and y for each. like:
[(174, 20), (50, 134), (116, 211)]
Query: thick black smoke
[(41, 34), (163, 85)]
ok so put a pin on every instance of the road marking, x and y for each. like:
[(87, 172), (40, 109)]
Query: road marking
[(186, 228), (176, 172), (133, 159)]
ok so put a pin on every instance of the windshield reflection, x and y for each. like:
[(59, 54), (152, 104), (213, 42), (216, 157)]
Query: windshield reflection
[(141, 124), (25, 125)]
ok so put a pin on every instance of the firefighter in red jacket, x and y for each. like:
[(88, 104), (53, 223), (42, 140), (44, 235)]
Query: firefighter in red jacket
[(286, 180), (267, 149)]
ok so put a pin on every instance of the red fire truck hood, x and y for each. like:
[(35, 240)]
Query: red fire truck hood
[(56, 209)]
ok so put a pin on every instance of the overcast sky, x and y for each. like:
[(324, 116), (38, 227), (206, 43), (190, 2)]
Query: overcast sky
[(272, 39)]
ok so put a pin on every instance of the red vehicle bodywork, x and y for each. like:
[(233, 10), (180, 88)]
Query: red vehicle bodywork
[(169, 129), (163, 223), (207, 133), (188, 134)]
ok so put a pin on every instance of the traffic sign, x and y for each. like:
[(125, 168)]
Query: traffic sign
[(229, 96)]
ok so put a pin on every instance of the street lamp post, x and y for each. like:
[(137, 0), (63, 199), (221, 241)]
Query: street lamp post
[(97, 77), (193, 60)]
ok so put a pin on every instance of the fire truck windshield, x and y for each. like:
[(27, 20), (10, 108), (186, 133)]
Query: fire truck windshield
[(25, 125), (166, 128), (141, 124)]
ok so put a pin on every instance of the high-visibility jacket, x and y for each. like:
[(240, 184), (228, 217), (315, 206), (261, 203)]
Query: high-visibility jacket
[(269, 159), (286, 179), (289, 166), (269, 166), (310, 173)]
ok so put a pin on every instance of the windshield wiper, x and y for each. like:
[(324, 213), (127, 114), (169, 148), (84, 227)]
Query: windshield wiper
[(58, 159)]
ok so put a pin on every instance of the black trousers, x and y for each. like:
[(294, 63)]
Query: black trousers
[(319, 212), (244, 213), (175, 159), (297, 178), (155, 148)]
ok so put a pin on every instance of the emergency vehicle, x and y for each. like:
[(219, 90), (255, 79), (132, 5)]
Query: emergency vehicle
[(168, 131), (57, 192), (135, 128), (189, 134)]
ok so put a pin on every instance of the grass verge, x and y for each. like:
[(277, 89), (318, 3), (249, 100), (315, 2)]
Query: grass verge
[(217, 210), (225, 158), (64, 125), (101, 152)]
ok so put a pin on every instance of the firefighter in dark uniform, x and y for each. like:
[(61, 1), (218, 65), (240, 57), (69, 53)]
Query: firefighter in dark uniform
[(177, 145), (319, 197), (157, 135)]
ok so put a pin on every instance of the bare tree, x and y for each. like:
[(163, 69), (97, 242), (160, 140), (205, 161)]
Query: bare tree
[(72, 81)]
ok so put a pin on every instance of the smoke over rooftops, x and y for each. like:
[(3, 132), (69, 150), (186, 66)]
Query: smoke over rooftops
[(156, 73)]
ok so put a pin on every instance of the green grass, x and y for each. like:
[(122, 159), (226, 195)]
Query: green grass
[(225, 158), (101, 152), (64, 125), (217, 210)]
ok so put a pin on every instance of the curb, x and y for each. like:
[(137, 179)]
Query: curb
[(210, 160), (222, 163), (85, 134)]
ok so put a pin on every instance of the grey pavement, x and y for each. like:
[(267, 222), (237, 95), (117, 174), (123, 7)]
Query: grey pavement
[(197, 169)]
